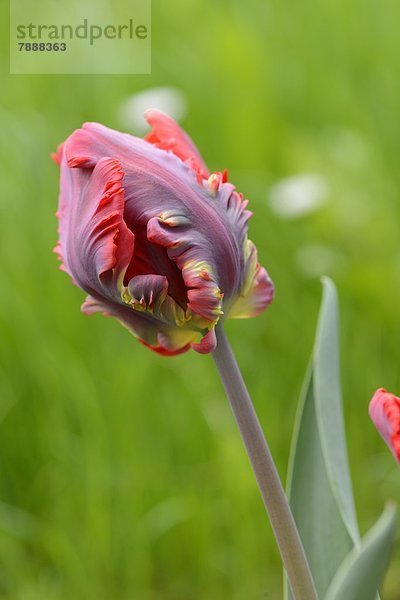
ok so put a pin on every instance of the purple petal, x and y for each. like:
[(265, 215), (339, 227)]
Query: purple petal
[(95, 244)]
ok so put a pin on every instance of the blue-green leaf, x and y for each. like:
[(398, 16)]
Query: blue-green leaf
[(328, 404), (362, 571), (319, 484)]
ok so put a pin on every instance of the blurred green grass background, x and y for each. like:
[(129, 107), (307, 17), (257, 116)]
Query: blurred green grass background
[(122, 473)]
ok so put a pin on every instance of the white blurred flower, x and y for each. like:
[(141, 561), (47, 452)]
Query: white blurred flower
[(315, 260), (298, 195), (168, 99)]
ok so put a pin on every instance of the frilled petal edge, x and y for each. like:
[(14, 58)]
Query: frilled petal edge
[(95, 244), (258, 289)]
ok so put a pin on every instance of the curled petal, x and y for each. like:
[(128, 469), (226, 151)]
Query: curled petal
[(166, 134), (384, 410), (149, 293), (95, 243), (183, 247), (257, 291), (207, 344), (204, 294)]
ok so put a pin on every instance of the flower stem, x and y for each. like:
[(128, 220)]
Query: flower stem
[(275, 501)]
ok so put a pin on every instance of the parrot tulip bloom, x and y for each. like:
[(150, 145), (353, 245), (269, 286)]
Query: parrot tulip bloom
[(155, 239), (384, 411)]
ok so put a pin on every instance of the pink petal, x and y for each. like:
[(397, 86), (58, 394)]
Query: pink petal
[(207, 344), (384, 410), (167, 134)]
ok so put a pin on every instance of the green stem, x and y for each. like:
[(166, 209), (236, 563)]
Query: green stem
[(275, 501)]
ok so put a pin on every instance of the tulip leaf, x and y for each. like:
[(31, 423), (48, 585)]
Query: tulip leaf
[(328, 401), (319, 485), (362, 571)]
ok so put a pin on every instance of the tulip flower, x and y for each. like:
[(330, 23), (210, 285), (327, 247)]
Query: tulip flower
[(155, 239), (160, 243), (384, 410)]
